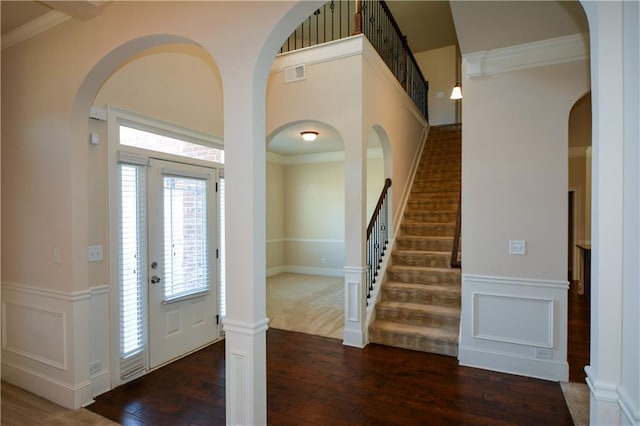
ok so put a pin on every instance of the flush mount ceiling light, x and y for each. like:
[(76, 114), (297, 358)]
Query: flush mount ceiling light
[(456, 93), (309, 136)]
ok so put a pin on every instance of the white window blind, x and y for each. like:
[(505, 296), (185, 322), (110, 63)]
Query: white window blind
[(133, 276), (185, 236), (222, 291)]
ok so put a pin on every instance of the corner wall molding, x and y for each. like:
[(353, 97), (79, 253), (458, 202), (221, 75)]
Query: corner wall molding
[(527, 55)]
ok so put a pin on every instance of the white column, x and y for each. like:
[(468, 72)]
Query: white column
[(605, 19), (245, 173)]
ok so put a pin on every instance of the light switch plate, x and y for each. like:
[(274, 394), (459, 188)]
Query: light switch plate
[(518, 247)]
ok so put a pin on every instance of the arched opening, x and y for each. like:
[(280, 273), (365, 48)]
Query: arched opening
[(579, 237), (166, 92), (305, 229)]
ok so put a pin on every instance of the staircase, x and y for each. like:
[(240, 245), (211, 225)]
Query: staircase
[(419, 307)]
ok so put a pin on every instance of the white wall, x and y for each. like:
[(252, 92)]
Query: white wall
[(514, 187), (439, 68)]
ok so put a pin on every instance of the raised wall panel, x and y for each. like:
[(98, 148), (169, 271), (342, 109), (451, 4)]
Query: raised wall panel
[(35, 333), (530, 319)]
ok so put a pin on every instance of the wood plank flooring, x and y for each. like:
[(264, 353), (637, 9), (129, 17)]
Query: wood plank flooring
[(317, 381), (579, 334)]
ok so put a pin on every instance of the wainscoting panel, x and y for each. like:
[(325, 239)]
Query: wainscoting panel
[(46, 342), (514, 325), (530, 320)]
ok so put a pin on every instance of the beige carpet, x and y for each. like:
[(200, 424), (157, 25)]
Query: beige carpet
[(309, 304), (20, 407), (577, 397)]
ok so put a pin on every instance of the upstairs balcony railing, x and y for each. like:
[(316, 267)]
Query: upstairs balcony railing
[(344, 18)]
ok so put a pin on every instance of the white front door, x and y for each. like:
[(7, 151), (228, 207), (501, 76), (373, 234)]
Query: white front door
[(182, 273)]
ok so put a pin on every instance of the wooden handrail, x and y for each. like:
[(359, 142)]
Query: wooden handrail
[(455, 263), (376, 211)]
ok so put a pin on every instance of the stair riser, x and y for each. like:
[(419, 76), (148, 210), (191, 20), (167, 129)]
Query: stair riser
[(434, 196), (417, 344), (425, 297), (436, 186), (429, 217), (431, 245), (429, 230), (419, 277), (434, 206), (422, 319), (421, 259)]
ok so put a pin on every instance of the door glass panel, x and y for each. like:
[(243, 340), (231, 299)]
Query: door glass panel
[(185, 236)]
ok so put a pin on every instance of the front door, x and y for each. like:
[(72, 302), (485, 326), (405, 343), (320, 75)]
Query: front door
[(182, 274)]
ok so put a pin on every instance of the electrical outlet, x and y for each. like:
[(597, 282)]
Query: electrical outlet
[(544, 353), (518, 247), (95, 253), (95, 367)]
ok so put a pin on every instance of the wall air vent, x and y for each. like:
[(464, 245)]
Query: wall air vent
[(295, 73)]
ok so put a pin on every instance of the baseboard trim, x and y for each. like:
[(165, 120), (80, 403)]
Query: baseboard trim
[(354, 338), (513, 364), (100, 383), (64, 394), (305, 270)]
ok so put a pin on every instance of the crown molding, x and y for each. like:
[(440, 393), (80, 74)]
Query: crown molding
[(33, 28), (528, 55)]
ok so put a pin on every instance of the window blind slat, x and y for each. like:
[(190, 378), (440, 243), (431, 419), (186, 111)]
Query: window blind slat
[(133, 277)]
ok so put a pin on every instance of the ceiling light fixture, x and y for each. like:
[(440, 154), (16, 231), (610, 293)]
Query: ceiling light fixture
[(456, 93), (309, 135)]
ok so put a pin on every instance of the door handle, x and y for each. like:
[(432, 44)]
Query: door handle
[(155, 279)]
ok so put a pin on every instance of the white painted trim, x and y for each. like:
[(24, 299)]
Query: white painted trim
[(276, 270), (63, 364), (100, 383), (245, 328), (626, 406), (321, 157), (547, 343), (527, 55), (143, 122), (317, 54), (485, 279), (52, 389), (602, 391), (513, 364), (48, 293), (33, 28)]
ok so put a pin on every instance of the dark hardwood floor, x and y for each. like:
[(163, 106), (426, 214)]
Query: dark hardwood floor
[(579, 334), (318, 381)]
